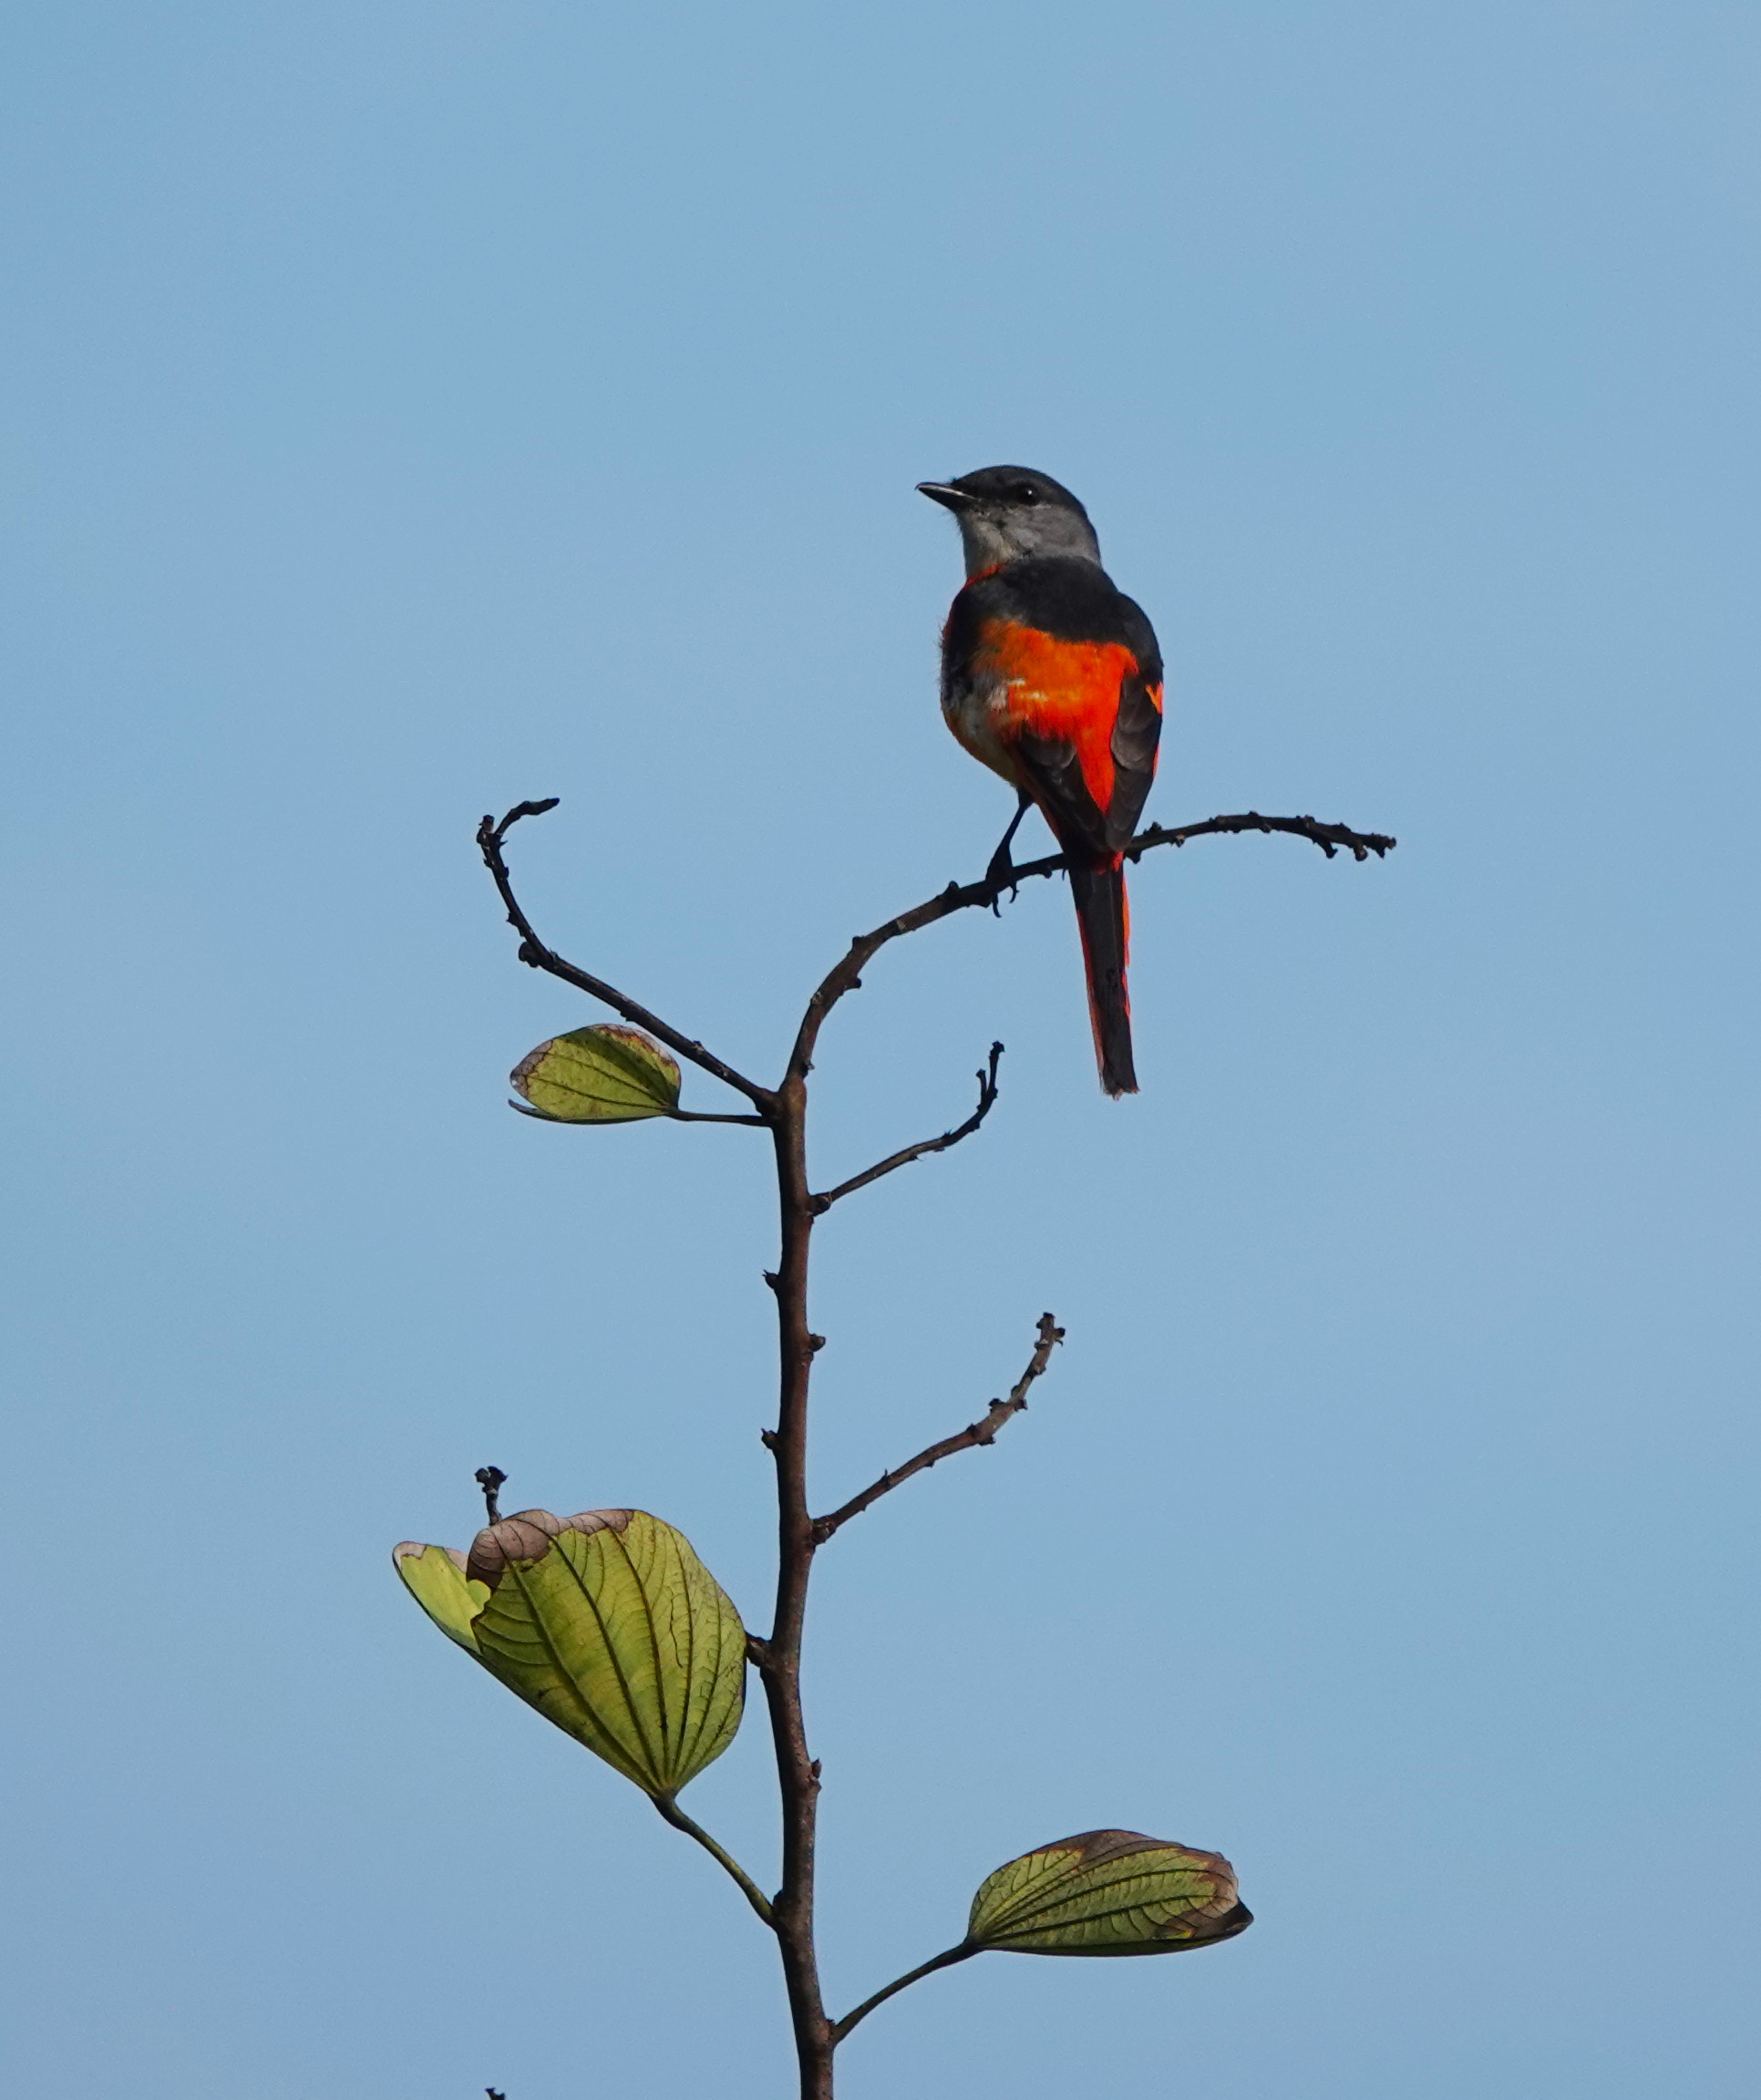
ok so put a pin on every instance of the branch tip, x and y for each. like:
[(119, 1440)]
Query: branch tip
[(491, 1479), (987, 1094), (488, 829), (491, 837), (972, 1437)]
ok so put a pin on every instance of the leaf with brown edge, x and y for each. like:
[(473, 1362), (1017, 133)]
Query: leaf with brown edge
[(605, 1073), (608, 1623), (1107, 1892)]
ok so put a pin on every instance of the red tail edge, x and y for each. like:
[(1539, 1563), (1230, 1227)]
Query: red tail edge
[(1104, 919)]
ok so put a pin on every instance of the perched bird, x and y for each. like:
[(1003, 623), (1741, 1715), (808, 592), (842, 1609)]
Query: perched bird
[(1051, 675)]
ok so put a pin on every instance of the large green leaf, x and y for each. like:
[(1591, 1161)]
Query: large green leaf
[(605, 1073), (1107, 1892), (608, 1623)]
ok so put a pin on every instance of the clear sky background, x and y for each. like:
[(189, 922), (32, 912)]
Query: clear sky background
[(416, 408)]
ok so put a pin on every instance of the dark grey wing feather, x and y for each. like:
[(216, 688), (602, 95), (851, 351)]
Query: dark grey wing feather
[(1060, 790), (1137, 730)]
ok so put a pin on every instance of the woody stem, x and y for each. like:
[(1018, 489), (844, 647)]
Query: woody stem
[(780, 1659)]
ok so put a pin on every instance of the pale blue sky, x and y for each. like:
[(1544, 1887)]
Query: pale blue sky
[(417, 407)]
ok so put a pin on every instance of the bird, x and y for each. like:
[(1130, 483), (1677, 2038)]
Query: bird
[(1051, 678)]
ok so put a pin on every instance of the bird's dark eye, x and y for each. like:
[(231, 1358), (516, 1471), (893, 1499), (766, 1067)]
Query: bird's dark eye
[(1025, 492)]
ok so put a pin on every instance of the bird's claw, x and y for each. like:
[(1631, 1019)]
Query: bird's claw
[(999, 876)]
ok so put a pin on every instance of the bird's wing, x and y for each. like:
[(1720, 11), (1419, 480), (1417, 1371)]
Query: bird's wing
[(1052, 771), (1136, 729)]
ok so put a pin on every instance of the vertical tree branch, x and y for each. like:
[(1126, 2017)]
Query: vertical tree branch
[(798, 1772)]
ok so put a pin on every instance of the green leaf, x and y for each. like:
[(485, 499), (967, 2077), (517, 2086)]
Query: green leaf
[(435, 1576), (605, 1073), (1108, 1892), (609, 1625)]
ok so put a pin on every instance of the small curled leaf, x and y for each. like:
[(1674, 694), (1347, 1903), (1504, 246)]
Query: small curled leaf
[(435, 1576), (1107, 1892), (604, 1073)]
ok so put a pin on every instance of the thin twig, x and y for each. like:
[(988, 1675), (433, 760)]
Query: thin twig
[(847, 976), (534, 951), (986, 1101), (964, 1952), (671, 1813), (976, 1433), (1329, 838)]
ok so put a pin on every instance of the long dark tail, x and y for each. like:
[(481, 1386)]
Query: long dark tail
[(1106, 923)]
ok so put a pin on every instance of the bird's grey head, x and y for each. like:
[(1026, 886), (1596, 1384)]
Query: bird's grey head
[(1007, 512)]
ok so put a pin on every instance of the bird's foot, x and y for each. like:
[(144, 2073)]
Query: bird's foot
[(1000, 876)]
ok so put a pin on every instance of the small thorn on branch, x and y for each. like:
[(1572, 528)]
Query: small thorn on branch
[(772, 1280), (767, 1437), (491, 1480)]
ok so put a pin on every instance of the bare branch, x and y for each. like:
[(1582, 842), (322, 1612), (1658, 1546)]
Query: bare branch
[(671, 1813), (847, 976), (534, 951), (976, 1433), (987, 1091), (778, 1654), (1329, 838)]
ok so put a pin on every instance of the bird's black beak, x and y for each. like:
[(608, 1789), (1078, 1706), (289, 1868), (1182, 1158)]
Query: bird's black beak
[(945, 493)]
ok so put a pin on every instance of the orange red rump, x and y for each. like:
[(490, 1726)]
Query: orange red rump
[(1059, 690)]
